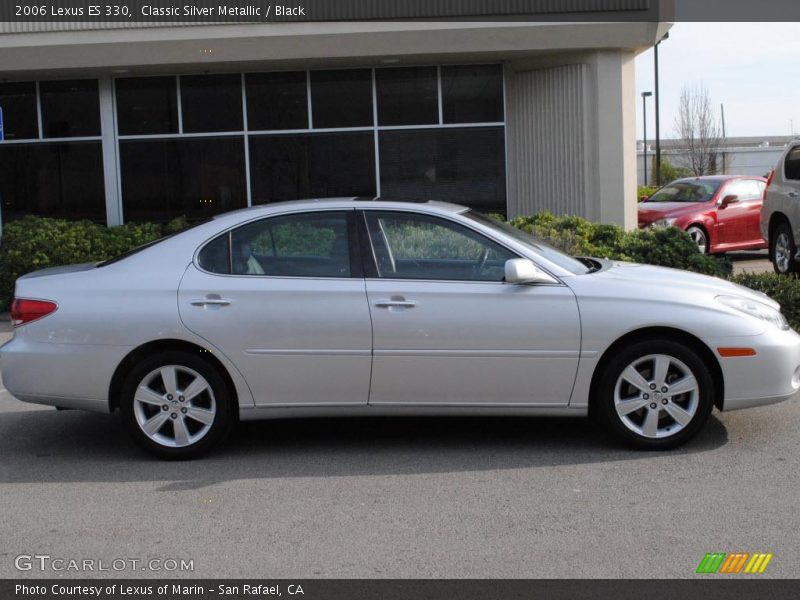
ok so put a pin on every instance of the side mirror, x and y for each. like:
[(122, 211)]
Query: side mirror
[(644, 198), (728, 200), (521, 270)]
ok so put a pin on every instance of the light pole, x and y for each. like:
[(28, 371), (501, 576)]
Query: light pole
[(645, 96), (658, 114)]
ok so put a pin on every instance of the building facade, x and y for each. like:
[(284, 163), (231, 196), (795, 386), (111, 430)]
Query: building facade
[(117, 122)]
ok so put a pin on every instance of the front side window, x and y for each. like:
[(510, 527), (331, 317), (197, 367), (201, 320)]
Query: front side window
[(298, 245), (409, 246), (745, 189)]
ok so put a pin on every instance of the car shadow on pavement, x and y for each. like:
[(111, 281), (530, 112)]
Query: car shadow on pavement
[(43, 446)]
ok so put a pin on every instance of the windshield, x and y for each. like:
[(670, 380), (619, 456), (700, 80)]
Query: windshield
[(690, 190), (545, 250)]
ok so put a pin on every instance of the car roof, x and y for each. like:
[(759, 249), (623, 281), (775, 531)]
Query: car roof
[(347, 202), (718, 177)]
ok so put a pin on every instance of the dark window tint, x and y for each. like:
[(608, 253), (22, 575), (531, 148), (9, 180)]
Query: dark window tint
[(52, 179), (277, 101), (18, 102), (211, 103), (163, 179), (299, 245), (317, 165), (408, 246), (472, 94), (147, 105), (792, 164), (215, 257), (407, 96), (465, 166), (342, 98), (70, 108)]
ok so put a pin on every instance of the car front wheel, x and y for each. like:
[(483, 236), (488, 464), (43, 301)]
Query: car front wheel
[(656, 394), (176, 405), (783, 250), (699, 237)]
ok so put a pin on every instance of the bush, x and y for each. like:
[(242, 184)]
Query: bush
[(645, 191), (784, 290), (35, 243)]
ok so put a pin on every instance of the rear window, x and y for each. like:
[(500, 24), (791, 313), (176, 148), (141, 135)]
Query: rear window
[(791, 166)]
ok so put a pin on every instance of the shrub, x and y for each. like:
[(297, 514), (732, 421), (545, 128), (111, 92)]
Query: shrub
[(645, 191), (784, 290)]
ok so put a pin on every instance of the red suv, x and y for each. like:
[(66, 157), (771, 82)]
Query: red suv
[(721, 213)]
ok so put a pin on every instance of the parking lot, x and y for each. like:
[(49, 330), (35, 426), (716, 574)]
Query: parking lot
[(400, 498)]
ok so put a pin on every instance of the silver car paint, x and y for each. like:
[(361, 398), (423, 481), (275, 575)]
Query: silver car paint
[(443, 351), (782, 197)]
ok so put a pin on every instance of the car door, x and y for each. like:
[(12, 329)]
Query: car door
[(283, 299), (448, 331), (738, 223)]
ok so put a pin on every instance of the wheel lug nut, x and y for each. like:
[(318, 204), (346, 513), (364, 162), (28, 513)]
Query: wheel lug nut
[(665, 401), (169, 396), (174, 415), (181, 398), (654, 406), (664, 389), (646, 396), (165, 407), (184, 411), (652, 386)]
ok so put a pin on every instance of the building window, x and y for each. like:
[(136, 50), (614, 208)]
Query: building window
[(147, 105), (341, 98), (70, 108), (407, 96), (196, 177), (461, 165), (277, 101), (211, 103), (20, 119), (472, 94), (53, 180), (312, 165)]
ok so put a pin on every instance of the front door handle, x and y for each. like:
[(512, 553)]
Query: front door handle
[(395, 303), (793, 194), (211, 302)]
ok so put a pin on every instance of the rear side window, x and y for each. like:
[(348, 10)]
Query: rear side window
[(791, 166), (300, 245)]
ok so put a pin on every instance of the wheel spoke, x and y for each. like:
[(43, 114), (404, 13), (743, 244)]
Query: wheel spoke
[(650, 428), (147, 396), (206, 417), (181, 432), (152, 425), (197, 387), (661, 369), (676, 412), (626, 407), (632, 376), (170, 378), (683, 386)]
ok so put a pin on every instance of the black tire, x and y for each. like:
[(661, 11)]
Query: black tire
[(702, 400), (700, 237), (217, 399), (781, 267)]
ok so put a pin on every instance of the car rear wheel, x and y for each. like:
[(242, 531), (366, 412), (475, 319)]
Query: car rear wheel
[(176, 405), (699, 237), (656, 394), (783, 250)]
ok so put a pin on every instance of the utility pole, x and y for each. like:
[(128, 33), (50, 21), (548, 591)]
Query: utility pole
[(658, 113), (645, 96), (724, 142)]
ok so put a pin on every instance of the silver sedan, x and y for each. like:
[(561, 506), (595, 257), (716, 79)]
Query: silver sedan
[(356, 307)]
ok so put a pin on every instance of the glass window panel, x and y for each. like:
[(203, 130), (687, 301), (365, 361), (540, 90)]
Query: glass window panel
[(791, 165), (277, 101), (196, 177), (465, 166), (300, 245), (407, 96), (472, 94), (52, 179), (215, 257), (342, 98), (147, 105), (211, 103), (70, 108), (408, 246), (18, 101), (314, 165)]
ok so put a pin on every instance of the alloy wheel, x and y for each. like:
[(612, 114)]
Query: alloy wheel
[(699, 238), (656, 396), (783, 252)]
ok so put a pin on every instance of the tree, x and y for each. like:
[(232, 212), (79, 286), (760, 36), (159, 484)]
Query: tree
[(697, 125)]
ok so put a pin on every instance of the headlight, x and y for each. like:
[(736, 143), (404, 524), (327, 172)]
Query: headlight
[(663, 223), (755, 309)]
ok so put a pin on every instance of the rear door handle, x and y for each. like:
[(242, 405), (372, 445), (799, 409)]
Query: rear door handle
[(395, 303), (793, 194), (211, 302)]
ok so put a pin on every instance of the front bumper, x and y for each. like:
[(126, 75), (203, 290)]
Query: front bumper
[(771, 376)]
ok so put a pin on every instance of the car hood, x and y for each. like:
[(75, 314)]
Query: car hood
[(664, 283), (653, 211)]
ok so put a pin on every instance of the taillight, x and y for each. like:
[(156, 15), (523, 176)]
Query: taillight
[(770, 177), (24, 310)]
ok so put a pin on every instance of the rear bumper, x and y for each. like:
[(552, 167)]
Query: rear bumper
[(64, 375), (771, 376)]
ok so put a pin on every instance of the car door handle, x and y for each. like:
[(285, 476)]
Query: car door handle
[(211, 302), (793, 194), (395, 303)]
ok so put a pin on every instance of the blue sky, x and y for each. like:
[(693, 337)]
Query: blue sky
[(751, 68)]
